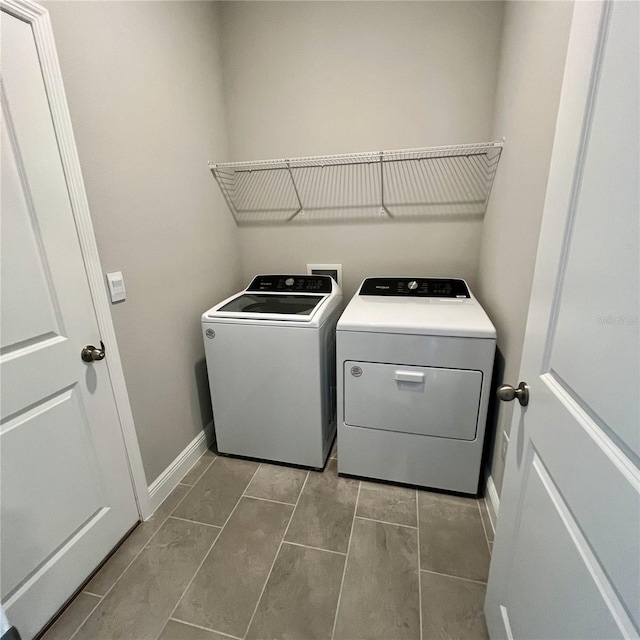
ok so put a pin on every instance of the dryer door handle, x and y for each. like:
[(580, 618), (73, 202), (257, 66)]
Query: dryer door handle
[(409, 376)]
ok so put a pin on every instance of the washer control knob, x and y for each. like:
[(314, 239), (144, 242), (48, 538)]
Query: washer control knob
[(413, 285), (289, 282)]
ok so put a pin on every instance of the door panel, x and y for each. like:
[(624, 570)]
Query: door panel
[(565, 561), (547, 532), (596, 335), (22, 253), (423, 400), (597, 482), (67, 495), (33, 510)]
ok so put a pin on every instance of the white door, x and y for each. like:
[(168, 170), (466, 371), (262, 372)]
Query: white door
[(67, 496), (566, 561)]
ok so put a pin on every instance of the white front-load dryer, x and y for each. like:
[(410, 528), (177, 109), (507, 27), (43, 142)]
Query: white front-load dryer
[(270, 353), (414, 365)]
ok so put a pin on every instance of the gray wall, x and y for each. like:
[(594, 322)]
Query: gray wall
[(307, 78), (534, 47), (144, 86)]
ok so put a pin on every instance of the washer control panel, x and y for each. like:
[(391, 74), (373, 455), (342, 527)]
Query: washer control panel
[(415, 287), (297, 284)]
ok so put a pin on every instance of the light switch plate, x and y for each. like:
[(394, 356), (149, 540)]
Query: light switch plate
[(117, 290), (333, 270)]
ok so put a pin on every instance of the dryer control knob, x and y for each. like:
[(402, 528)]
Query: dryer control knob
[(413, 285), (289, 282)]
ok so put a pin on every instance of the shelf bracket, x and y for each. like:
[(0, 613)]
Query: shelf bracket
[(300, 211), (383, 209)]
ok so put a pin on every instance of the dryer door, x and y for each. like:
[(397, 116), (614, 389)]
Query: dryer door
[(423, 400)]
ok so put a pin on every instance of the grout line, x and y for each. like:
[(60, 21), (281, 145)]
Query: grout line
[(289, 504), (344, 571), (206, 524), (206, 555), (419, 562), (395, 524), (484, 528), (197, 626), (184, 497), (264, 586), (192, 466), (308, 546), (179, 484), (448, 575), (83, 620), (144, 546)]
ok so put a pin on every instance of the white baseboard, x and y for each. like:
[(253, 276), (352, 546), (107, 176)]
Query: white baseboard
[(167, 481), (493, 501)]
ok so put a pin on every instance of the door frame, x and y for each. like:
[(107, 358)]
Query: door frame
[(38, 18)]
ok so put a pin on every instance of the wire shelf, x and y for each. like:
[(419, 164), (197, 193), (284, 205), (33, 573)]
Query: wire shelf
[(404, 184)]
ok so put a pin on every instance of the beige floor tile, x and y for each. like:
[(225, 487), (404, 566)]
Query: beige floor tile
[(452, 608), (300, 599), (380, 597), (452, 539), (141, 602), (275, 482), (387, 502), (226, 589), (324, 513), (217, 492), (195, 473), (179, 631), (129, 549), (72, 617)]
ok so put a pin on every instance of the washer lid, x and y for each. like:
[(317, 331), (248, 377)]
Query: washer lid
[(269, 303), (412, 313), (279, 298)]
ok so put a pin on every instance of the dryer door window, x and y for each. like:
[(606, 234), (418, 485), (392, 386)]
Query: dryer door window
[(423, 400)]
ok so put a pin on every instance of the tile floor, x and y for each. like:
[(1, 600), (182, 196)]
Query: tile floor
[(259, 551)]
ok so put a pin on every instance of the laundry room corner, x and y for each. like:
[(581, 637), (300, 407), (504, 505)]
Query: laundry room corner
[(147, 118), (365, 360)]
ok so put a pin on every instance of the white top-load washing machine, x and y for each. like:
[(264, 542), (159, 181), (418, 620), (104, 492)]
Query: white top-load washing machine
[(414, 358), (270, 353)]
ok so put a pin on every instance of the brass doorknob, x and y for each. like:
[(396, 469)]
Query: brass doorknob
[(507, 393), (91, 353)]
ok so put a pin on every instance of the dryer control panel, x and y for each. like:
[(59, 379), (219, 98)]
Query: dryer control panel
[(415, 287), (296, 284)]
